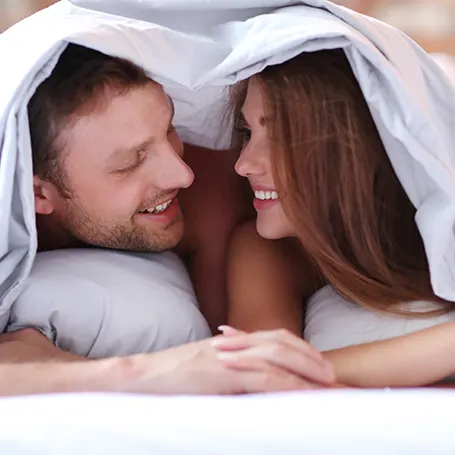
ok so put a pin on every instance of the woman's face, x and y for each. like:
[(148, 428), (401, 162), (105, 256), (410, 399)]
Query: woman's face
[(254, 163)]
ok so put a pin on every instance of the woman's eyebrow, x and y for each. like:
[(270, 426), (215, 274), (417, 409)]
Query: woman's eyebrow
[(263, 120)]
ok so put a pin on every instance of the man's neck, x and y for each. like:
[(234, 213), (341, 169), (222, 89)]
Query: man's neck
[(51, 236)]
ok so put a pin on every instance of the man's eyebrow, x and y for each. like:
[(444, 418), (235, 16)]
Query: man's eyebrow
[(133, 150), (137, 148)]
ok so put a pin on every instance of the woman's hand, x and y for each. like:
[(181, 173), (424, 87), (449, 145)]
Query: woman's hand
[(242, 351)]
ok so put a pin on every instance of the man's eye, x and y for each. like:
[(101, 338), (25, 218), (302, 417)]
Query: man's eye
[(129, 168), (139, 160)]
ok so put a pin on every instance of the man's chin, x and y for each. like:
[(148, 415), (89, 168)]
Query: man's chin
[(144, 243), (159, 242), (148, 238)]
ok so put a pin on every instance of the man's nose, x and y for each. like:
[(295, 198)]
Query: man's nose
[(173, 172)]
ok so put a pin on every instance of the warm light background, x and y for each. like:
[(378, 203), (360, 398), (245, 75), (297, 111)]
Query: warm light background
[(430, 22)]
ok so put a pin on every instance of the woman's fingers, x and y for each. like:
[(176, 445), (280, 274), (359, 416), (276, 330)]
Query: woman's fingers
[(279, 348), (228, 331), (262, 377), (282, 337), (283, 357)]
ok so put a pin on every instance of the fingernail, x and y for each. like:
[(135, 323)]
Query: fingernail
[(223, 328)]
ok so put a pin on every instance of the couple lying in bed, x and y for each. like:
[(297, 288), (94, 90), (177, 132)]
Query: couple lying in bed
[(332, 251)]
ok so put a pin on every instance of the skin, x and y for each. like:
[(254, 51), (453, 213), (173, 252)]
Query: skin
[(116, 166), (254, 163), (268, 362), (213, 207), (275, 299)]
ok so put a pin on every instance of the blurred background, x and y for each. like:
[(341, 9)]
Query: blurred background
[(429, 22)]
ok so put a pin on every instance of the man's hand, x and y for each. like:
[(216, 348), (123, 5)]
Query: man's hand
[(260, 362), (271, 361)]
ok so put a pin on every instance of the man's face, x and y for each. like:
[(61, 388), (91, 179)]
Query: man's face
[(123, 168)]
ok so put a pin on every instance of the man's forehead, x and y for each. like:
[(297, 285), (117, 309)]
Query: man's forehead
[(122, 129), (165, 101)]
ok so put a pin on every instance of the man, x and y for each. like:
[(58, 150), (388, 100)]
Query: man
[(107, 160), (108, 170)]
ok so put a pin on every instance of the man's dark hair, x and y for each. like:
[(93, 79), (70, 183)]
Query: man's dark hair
[(81, 82)]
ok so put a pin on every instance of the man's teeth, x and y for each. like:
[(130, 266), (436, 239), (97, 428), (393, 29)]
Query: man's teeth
[(266, 195), (159, 208)]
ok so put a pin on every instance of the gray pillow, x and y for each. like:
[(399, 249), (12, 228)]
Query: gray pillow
[(101, 303)]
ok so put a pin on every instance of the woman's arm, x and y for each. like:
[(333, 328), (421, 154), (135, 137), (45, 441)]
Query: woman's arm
[(417, 359), (264, 283), (265, 293)]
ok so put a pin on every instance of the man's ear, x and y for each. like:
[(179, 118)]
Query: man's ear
[(44, 196)]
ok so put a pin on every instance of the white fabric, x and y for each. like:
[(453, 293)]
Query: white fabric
[(332, 322), (205, 45), (447, 63), (103, 303), (417, 422)]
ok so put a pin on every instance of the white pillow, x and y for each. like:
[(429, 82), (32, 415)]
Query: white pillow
[(333, 322)]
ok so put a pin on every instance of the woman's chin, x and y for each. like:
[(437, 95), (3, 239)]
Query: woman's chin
[(269, 230)]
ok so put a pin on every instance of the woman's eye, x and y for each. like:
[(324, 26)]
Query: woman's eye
[(244, 132)]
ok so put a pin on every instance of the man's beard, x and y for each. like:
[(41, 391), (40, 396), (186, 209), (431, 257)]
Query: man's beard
[(109, 234)]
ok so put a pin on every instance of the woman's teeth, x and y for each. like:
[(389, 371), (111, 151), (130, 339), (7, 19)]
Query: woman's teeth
[(159, 208), (266, 195)]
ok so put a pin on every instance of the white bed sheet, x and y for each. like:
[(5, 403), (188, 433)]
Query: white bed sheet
[(413, 422)]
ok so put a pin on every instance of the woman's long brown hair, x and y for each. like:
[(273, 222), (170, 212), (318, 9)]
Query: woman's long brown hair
[(338, 186)]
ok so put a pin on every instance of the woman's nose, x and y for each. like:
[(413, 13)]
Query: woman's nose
[(250, 162)]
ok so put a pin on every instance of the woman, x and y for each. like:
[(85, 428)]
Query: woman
[(340, 228)]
